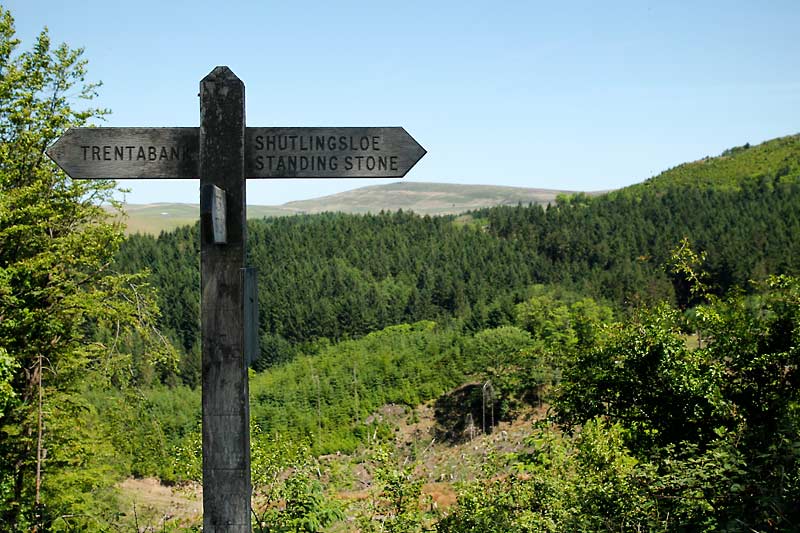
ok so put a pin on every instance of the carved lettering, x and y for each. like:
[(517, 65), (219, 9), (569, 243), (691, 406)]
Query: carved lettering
[(316, 143), (134, 153), (292, 163), (370, 163), (323, 152)]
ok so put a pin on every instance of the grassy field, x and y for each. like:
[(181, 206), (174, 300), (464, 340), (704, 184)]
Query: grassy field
[(155, 218)]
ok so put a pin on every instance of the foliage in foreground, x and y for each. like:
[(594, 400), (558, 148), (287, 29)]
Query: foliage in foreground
[(665, 438), (647, 434), (57, 289)]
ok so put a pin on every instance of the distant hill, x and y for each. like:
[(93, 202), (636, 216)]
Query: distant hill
[(424, 198), (421, 198)]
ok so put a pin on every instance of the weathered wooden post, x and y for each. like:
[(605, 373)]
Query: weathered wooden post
[(226, 408), (223, 152)]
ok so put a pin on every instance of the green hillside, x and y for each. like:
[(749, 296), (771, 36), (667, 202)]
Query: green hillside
[(343, 276), (771, 162)]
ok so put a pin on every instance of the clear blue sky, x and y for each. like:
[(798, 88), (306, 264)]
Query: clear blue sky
[(564, 95)]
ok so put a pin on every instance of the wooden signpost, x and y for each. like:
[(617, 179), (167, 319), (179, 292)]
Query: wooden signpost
[(222, 153)]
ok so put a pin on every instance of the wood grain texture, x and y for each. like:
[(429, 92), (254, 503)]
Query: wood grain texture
[(387, 152), (251, 345), (127, 153), (226, 407)]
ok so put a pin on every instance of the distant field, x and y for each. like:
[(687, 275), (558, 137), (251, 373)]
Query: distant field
[(155, 218), (421, 198)]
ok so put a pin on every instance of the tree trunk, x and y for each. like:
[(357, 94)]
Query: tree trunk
[(39, 458)]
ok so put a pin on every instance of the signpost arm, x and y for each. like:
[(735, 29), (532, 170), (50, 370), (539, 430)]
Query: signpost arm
[(226, 408)]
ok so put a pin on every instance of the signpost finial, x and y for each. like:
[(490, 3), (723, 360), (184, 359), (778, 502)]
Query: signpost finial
[(222, 72)]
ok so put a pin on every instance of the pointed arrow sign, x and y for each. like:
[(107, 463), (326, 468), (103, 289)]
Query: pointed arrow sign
[(135, 153), (330, 152), (127, 153)]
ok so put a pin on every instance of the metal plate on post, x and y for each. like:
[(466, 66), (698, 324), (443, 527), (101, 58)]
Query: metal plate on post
[(212, 207)]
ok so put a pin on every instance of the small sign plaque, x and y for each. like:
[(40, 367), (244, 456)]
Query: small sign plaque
[(212, 206)]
